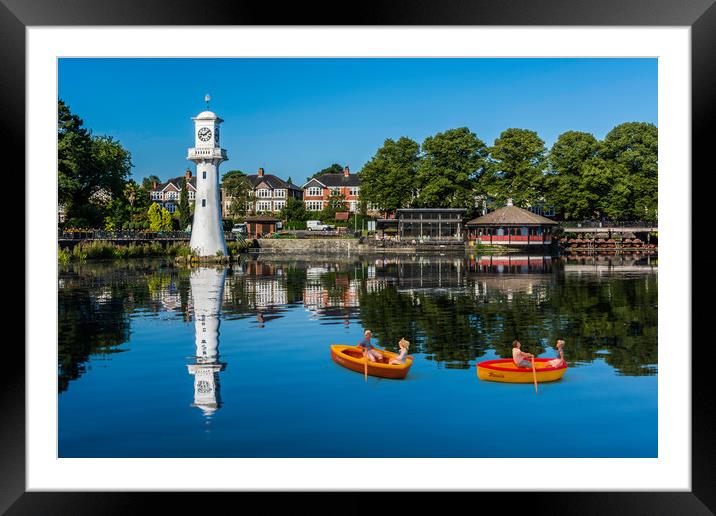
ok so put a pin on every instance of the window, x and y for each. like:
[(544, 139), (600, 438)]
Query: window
[(203, 203), (171, 207), (353, 190), (278, 205), (279, 193), (156, 196), (263, 206), (335, 191), (354, 206), (263, 193), (315, 191), (314, 205), (191, 195), (203, 174)]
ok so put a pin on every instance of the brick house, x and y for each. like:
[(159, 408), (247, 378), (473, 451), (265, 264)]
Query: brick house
[(317, 190), (166, 195), (269, 193)]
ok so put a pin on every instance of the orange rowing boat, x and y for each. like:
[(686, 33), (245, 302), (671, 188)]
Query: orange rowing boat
[(351, 357), (505, 370)]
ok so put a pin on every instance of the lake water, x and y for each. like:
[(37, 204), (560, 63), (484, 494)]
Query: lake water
[(161, 361)]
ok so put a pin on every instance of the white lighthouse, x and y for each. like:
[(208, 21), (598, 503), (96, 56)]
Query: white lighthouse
[(207, 232), (207, 290)]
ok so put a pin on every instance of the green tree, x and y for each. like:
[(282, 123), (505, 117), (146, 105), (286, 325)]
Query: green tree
[(74, 154), (184, 210), (159, 218), (294, 209), (148, 181), (238, 189), (576, 176), (448, 174), (91, 170), (388, 180), (336, 202), (633, 147), (516, 169)]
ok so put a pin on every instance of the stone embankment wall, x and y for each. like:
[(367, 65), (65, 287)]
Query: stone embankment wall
[(309, 245)]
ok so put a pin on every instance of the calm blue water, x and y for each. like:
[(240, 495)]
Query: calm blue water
[(264, 385)]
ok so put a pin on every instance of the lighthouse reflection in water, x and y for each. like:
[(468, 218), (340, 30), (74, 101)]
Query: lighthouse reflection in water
[(207, 289)]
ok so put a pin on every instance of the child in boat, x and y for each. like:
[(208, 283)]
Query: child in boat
[(400, 359), (520, 357), (558, 361), (373, 354)]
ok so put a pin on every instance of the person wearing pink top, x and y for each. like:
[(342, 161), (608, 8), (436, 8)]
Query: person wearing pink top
[(520, 357)]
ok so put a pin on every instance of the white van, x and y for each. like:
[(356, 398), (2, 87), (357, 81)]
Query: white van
[(317, 225)]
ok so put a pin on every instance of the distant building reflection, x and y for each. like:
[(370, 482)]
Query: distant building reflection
[(259, 289), (335, 299), (207, 287)]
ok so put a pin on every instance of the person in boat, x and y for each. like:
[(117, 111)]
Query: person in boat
[(373, 354), (400, 359), (559, 360), (520, 357)]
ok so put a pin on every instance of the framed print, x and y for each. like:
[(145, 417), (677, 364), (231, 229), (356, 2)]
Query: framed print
[(414, 250)]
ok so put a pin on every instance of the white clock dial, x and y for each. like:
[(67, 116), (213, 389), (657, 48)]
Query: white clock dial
[(204, 134)]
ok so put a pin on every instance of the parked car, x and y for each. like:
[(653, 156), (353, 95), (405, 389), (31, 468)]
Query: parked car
[(239, 228), (317, 225)]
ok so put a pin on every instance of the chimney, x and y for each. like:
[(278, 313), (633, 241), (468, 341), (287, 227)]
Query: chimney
[(154, 185), (346, 171), (187, 174), (261, 171)]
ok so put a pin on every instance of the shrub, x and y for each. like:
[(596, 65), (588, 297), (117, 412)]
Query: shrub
[(64, 256)]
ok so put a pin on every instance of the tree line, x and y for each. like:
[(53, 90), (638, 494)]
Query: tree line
[(581, 176), (94, 189)]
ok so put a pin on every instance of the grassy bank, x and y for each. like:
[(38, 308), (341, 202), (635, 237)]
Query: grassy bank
[(110, 251)]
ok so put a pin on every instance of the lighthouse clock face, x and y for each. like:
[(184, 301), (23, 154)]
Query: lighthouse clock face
[(204, 134)]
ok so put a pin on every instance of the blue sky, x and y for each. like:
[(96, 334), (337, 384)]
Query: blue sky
[(296, 116)]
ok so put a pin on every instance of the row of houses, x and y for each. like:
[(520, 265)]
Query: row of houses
[(269, 193)]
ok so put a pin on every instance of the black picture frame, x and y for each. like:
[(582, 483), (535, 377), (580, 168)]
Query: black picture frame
[(700, 15)]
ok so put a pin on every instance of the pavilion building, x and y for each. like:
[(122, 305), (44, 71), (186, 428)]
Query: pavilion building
[(511, 226)]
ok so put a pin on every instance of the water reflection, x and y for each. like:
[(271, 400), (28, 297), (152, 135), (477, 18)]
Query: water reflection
[(207, 290), (453, 309)]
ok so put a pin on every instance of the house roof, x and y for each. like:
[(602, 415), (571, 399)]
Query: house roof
[(177, 182), (272, 181), (261, 218), (336, 180), (511, 215)]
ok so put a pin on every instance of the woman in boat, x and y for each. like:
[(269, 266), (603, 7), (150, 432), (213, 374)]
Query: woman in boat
[(559, 360), (400, 359), (520, 356), (372, 353)]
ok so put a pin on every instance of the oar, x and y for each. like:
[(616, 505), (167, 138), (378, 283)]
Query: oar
[(534, 374), (365, 363)]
